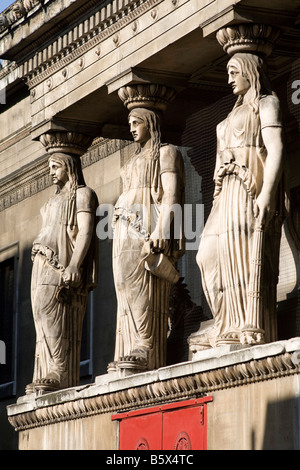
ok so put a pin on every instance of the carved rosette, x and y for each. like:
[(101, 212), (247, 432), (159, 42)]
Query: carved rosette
[(66, 142), (252, 38), (150, 96)]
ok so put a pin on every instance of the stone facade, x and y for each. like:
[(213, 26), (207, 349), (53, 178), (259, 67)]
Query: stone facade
[(263, 380), (63, 65)]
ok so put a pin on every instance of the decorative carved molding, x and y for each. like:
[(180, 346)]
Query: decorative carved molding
[(66, 142), (16, 11), (83, 37), (7, 69), (150, 96), (191, 386), (249, 37), (26, 183), (34, 178)]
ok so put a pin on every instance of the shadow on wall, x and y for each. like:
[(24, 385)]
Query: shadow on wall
[(105, 311), (19, 336), (282, 428), (185, 318)]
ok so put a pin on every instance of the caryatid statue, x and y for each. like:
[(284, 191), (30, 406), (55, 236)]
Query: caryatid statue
[(64, 266), (239, 249), (148, 238)]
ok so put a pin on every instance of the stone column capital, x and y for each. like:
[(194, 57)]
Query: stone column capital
[(147, 95), (66, 142), (249, 38)]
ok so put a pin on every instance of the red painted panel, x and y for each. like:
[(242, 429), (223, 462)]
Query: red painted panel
[(175, 426), (141, 432), (185, 429)]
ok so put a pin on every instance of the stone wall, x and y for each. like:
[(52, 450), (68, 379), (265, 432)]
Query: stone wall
[(253, 403)]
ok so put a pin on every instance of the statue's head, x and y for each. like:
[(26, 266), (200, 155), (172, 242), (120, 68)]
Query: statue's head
[(149, 127), (248, 76), (139, 129), (238, 80), (66, 168)]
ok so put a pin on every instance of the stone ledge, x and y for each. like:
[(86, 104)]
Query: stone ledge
[(216, 369)]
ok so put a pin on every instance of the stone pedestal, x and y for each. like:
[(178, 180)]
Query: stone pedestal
[(254, 401)]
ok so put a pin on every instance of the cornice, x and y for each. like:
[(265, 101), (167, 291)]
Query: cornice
[(81, 38), (10, 67), (16, 11), (155, 392), (20, 14)]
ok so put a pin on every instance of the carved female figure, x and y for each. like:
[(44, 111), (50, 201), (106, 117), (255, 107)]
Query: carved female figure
[(246, 212), (153, 181), (64, 271)]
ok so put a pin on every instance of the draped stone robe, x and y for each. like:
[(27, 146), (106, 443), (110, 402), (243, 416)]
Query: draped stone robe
[(58, 311), (225, 252), (143, 298)]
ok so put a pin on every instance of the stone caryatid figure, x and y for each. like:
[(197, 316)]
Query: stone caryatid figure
[(146, 245), (64, 266), (239, 249)]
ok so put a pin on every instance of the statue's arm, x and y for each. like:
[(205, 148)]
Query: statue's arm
[(170, 180), (85, 223), (273, 141)]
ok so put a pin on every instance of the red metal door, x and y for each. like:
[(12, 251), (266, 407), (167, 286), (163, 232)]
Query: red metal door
[(185, 428), (176, 426), (140, 430)]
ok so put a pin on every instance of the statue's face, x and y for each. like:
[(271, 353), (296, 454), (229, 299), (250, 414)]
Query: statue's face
[(58, 173), (240, 84), (139, 130)]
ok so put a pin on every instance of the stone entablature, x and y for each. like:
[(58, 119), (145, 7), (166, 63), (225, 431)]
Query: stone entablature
[(210, 371), (86, 35), (16, 11), (103, 41), (75, 41), (89, 47)]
